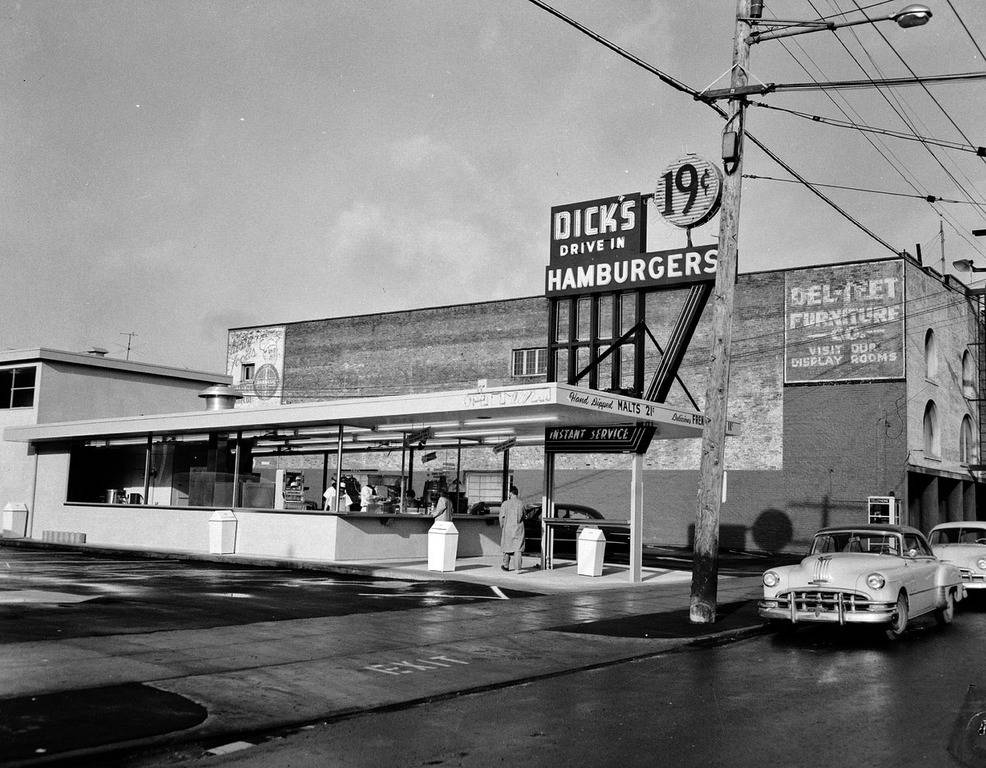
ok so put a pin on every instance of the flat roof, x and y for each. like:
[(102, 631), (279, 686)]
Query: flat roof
[(485, 416), (44, 354)]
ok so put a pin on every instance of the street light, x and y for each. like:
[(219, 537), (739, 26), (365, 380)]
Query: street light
[(705, 566), (910, 16), (966, 265)]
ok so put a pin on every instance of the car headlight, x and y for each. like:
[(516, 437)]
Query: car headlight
[(981, 564), (876, 581), (771, 579)]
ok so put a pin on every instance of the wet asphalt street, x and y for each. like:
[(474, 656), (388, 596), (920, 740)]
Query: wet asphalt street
[(59, 595), (819, 697)]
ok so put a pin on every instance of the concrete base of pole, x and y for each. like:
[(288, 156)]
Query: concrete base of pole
[(702, 613)]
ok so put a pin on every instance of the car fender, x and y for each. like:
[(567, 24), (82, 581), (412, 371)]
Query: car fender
[(948, 576)]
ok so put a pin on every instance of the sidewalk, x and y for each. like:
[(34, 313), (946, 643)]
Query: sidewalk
[(212, 686)]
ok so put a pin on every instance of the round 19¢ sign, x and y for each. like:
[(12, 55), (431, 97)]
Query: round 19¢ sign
[(689, 191)]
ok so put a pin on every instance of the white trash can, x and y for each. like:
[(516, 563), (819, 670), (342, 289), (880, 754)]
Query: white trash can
[(13, 523), (443, 542), (222, 532), (590, 548)]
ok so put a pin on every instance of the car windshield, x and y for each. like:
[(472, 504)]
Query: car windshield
[(873, 542), (961, 535)]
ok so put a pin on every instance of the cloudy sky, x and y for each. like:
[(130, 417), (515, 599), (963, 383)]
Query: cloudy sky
[(174, 169)]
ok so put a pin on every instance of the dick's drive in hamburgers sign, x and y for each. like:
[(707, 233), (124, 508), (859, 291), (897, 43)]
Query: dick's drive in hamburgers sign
[(599, 245)]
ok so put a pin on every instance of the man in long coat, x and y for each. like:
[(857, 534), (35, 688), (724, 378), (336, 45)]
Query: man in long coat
[(512, 529)]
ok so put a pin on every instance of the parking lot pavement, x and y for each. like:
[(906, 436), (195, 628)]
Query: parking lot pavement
[(258, 676)]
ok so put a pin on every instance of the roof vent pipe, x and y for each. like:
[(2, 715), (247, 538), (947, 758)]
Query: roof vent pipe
[(220, 397)]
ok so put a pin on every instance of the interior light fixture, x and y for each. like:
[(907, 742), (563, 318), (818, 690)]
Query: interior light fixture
[(475, 432), (522, 420), (418, 426)]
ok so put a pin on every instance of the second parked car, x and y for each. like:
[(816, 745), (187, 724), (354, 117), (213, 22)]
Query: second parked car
[(963, 544)]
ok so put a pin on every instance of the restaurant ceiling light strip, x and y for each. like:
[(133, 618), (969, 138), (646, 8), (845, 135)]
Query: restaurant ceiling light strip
[(418, 426), (521, 420)]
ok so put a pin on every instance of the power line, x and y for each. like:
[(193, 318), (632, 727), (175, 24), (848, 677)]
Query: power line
[(886, 82), (679, 86), (886, 153), (898, 109), (973, 39), (927, 198), (846, 13), (930, 94), (871, 129), (958, 230)]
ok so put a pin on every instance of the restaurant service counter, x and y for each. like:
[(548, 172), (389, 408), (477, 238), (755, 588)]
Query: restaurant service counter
[(378, 536)]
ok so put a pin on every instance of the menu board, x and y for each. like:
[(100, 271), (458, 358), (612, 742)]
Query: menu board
[(844, 323)]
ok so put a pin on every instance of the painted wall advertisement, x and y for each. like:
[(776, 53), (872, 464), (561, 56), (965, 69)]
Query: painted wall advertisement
[(844, 323)]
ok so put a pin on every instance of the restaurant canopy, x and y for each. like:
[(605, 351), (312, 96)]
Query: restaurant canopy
[(481, 416)]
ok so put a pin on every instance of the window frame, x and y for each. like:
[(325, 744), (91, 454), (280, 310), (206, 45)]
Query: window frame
[(9, 396), (522, 355)]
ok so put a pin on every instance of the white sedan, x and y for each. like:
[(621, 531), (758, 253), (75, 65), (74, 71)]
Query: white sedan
[(964, 545), (863, 574)]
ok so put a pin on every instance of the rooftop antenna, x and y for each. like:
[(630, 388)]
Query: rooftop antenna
[(130, 338)]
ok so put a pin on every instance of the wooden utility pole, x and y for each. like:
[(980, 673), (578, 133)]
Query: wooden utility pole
[(705, 568)]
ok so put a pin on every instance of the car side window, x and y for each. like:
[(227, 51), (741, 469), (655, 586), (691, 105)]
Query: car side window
[(912, 542)]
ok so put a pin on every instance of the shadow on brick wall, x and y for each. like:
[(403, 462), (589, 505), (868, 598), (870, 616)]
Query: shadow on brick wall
[(772, 532), (730, 537)]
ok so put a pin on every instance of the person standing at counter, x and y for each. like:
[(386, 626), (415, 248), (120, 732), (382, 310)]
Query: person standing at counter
[(512, 529), (367, 497), (330, 497), (443, 508)]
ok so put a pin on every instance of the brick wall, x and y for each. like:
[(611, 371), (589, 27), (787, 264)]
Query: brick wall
[(413, 351)]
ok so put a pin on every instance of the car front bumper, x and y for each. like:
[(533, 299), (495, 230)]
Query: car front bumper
[(972, 580), (826, 607)]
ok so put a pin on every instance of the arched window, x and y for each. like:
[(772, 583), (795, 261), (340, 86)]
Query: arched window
[(967, 446), (930, 355), (932, 435), (969, 383)]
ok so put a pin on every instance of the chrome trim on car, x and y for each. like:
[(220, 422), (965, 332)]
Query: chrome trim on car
[(826, 605), (974, 580), (822, 571)]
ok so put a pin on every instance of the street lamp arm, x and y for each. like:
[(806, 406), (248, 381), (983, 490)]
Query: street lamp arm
[(806, 27), (910, 16)]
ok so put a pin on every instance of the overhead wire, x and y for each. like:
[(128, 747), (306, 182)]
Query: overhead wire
[(872, 129), (899, 110), (884, 82), (846, 13), (969, 33), (886, 152), (680, 86), (926, 198), (896, 103), (937, 103)]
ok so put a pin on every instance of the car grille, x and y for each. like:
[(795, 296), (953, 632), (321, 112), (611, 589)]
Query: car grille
[(974, 578), (824, 601)]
